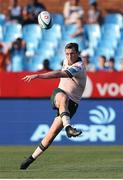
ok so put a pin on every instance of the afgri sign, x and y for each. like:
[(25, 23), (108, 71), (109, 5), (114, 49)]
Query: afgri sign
[(26, 122)]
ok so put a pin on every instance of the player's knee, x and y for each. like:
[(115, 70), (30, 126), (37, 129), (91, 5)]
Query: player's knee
[(61, 100), (64, 99)]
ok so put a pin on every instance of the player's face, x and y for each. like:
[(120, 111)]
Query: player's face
[(71, 55)]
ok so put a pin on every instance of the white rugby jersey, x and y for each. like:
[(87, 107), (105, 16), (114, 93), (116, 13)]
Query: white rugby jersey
[(74, 85)]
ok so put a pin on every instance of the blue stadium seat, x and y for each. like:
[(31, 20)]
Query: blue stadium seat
[(60, 53), (47, 44), (117, 65), (120, 44), (58, 18), (32, 30), (31, 39), (105, 52), (106, 43), (46, 48), (32, 34), (2, 19), (92, 43), (110, 30), (93, 34), (92, 30), (121, 34), (1, 33), (114, 18), (55, 63), (119, 53), (67, 30), (12, 31), (46, 53), (34, 67), (31, 44), (35, 63), (52, 34), (17, 63)]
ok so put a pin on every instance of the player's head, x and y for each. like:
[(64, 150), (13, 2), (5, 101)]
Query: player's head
[(72, 46), (72, 52)]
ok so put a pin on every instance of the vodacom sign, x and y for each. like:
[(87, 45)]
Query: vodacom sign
[(111, 89), (104, 85)]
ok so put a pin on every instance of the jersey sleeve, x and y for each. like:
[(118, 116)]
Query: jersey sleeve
[(73, 71)]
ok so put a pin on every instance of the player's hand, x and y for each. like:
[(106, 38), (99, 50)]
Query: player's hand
[(28, 78)]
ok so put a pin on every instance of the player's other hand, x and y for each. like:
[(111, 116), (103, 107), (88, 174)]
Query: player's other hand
[(28, 78)]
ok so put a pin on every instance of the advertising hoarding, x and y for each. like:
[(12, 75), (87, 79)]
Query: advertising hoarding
[(99, 85), (25, 121)]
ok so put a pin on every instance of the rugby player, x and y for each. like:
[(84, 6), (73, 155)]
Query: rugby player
[(65, 98)]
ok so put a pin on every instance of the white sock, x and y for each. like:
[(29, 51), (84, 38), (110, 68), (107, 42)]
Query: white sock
[(66, 121), (37, 153)]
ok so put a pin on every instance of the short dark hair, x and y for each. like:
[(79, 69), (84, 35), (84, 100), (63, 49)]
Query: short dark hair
[(103, 57), (72, 45), (112, 59)]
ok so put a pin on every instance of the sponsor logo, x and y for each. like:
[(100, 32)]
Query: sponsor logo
[(102, 115), (111, 89), (101, 128)]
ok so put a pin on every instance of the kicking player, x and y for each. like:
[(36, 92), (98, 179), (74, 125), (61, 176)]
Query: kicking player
[(64, 99)]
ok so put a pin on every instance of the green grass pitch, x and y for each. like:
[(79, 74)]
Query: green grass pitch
[(63, 162)]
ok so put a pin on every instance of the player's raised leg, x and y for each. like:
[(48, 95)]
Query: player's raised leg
[(62, 102)]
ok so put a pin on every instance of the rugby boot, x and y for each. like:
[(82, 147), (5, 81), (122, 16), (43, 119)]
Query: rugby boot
[(25, 164), (72, 132)]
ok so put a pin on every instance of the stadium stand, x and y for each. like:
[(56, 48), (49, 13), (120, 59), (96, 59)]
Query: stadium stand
[(105, 39)]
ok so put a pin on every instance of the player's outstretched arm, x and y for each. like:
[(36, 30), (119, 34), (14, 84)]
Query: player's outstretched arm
[(49, 75), (28, 78)]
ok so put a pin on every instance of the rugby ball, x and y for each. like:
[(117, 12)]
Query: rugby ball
[(45, 20)]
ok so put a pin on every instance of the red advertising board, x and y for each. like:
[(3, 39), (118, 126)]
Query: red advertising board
[(99, 85), (105, 84)]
